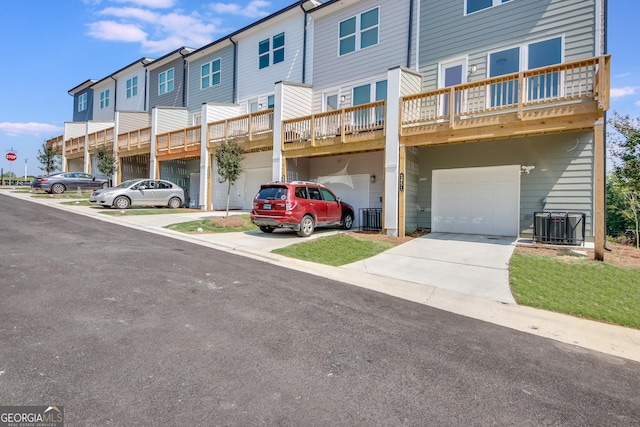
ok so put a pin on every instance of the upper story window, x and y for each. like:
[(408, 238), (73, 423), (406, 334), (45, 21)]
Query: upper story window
[(82, 102), (165, 82), (210, 74), (471, 6), (271, 51), (132, 87), (104, 98), (359, 32)]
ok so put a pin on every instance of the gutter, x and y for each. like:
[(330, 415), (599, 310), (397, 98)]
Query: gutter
[(304, 43)]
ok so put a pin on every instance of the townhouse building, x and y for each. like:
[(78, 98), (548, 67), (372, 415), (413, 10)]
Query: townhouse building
[(466, 116)]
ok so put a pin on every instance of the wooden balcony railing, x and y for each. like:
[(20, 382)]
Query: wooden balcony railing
[(345, 125), (56, 144), (256, 126), (521, 93), (183, 140), (134, 141), (101, 139), (74, 146)]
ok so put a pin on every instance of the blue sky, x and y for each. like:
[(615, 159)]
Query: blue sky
[(48, 47)]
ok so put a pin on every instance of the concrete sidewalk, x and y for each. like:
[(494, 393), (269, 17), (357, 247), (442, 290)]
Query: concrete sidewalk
[(447, 272)]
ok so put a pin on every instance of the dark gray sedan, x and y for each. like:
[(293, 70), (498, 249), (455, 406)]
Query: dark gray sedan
[(60, 182), (140, 192)]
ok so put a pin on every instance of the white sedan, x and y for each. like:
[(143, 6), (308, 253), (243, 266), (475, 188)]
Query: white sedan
[(140, 192)]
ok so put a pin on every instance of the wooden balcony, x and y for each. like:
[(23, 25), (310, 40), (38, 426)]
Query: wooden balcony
[(56, 144), (74, 147), (565, 97), (359, 128), (101, 139), (253, 132), (180, 144), (134, 143)]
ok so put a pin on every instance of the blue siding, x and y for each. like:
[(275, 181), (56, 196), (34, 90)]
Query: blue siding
[(87, 114)]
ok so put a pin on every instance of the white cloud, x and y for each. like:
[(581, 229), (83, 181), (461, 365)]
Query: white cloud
[(131, 13), (623, 91), (31, 128), (255, 9), (115, 31), (154, 4)]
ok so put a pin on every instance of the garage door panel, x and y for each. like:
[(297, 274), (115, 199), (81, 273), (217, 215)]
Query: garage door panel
[(476, 200)]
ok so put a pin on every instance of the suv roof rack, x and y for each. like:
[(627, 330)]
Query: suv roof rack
[(305, 182)]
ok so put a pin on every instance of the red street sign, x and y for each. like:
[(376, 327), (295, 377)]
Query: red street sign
[(11, 156)]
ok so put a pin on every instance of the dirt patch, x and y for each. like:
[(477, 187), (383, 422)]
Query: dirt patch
[(620, 255), (230, 221)]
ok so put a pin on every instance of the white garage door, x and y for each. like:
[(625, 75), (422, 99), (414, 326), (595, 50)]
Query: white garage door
[(353, 189), (476, 200)]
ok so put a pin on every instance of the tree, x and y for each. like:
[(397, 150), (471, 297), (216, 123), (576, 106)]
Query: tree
[(48, 158), (626, 151), (229, 161), (106, 162)]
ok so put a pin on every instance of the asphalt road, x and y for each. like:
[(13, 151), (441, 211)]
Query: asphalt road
[(123, 327)]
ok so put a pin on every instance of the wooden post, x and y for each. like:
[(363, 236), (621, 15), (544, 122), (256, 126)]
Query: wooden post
[(599, 230)]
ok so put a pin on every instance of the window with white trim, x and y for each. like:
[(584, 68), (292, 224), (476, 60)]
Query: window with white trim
[(210, 74), (471, 6), (165, 81), (359, 32), (82, 102), (104, 99), (271, 51), (132, 87)]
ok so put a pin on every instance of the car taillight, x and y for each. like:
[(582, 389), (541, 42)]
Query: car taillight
[(255, 205), (290, 206), (42, 179)]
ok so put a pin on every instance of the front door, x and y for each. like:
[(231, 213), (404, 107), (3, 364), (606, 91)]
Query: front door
[(451, 74)]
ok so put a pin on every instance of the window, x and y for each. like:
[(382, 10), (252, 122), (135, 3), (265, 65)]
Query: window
[(104, 98), (82, 102), (165, 82), (132, 87), (267, 55), (526, 57), (363, 95), (271, 101), (476, 5), (210, 74), (358, 32), (327, 195)]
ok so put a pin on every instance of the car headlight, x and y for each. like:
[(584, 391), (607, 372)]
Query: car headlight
[(108, 193)]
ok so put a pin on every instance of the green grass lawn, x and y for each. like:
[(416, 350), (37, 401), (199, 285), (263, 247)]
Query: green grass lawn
[(577, 286), (67, 195), (78, 203), (209, 225), (335, 250)]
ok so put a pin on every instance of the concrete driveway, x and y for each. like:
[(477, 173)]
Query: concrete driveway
[(470, 264)]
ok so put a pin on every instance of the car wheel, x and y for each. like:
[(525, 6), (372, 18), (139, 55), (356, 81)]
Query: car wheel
[(122, 202), (306, 226), (347, 221), (175, 203), (57, 188), (266, 229)]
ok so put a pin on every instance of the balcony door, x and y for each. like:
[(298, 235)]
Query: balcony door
[(451, 74)]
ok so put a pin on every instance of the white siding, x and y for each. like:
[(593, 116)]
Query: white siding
[(297, 101), (170, 119), (252, 80), (134, 103), (217, 112), (131, 121), (106, 113), (74, 130)]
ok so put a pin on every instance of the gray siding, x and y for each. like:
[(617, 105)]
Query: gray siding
[(86, 114), (391, 50), (563, 174), (446, 33), (222, 93), (169, 99)]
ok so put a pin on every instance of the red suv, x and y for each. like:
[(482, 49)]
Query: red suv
[(302, 206)]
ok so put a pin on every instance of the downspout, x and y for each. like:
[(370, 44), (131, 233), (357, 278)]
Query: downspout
[(605, 48), (410, 35), (184, 79), (304, 43), (146, 82), (234, 85), (115, 94)]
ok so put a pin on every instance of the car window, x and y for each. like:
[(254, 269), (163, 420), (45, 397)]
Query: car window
[(328, 195), (314, 193), (301, 192), (151, 184), (69, 175), (163, 185), (272, 193)]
